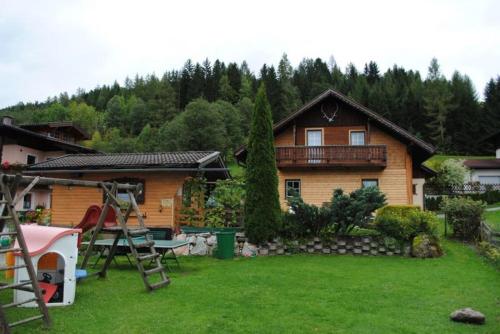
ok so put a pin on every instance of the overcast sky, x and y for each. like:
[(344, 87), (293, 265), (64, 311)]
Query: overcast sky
[(47, 47)]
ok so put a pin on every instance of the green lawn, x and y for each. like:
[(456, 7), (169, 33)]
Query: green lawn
[(493, 219), (438, 159), (290, 294)]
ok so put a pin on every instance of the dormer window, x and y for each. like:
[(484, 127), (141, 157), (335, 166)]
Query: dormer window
[(357, 138)]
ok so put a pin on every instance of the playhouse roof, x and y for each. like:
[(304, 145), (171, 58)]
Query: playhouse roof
[(40, 238)]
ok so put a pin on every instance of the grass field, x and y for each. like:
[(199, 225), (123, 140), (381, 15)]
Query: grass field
[(493, 219), (435, 161), (289, 294)]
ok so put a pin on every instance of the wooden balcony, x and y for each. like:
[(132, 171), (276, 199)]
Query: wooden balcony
[(334, 156)]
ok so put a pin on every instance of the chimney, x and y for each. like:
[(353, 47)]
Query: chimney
[(7, 120)]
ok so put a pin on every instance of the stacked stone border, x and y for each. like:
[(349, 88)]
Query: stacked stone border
[(205, 243)]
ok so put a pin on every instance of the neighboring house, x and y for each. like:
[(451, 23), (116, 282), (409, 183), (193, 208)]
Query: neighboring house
[(334, 142), (21, 146), (163, 175), (487, 171)]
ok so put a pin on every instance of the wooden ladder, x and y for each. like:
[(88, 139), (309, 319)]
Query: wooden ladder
[(137, 238), (7, 204)]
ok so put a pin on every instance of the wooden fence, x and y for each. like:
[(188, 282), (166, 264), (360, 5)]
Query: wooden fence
[(489, 235)]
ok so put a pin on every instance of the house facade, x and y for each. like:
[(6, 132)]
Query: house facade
[(163, 176), (486, 171), (333, 142), (21, 146)]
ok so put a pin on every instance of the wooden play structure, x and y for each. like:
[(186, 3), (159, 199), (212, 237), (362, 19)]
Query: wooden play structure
[(137, 238)]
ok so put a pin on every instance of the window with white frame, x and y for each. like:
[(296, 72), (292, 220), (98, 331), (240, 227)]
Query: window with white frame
[(357, 137), (365, 183), (292, 188)]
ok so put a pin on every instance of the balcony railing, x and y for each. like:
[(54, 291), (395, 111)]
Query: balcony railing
[(332, 156)]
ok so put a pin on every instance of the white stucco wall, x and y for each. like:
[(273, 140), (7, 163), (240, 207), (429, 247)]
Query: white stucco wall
[(17, 154), (418, 196), (476, 173)]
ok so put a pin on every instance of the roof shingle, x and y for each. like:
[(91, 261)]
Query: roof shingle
[(166, 160)]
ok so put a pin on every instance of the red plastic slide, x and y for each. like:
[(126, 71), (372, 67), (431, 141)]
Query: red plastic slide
[(91, 217)]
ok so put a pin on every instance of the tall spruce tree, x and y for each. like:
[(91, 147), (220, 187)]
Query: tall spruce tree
[(437, 104), (262, 208)]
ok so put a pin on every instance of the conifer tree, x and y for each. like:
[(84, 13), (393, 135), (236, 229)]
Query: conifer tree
[(262, 208)]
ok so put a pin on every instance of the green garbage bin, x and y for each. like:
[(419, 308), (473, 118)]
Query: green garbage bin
[(225, 245)]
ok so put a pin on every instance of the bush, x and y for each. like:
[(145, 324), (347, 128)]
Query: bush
[(425, 246), (404, 222), (490, 252), (303, 220), (355, 210), (339, 217), (451, 172), (464, 216)]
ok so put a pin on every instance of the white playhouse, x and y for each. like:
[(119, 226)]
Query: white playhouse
[(54, 254)]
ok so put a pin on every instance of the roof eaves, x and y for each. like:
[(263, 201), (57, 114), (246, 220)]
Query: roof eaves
[(208, 159)]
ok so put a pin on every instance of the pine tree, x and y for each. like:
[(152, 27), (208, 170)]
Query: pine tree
[(226, 91), (491, 112), (437, 104), (262, 208)]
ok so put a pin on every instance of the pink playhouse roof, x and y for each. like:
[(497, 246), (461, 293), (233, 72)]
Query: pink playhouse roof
[(40, 238)]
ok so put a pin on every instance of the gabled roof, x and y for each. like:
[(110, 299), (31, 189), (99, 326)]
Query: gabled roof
[(40, 141), (384, 122), (189, 160), (427, 148)]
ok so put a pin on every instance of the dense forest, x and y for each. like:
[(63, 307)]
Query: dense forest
[(208, 106)]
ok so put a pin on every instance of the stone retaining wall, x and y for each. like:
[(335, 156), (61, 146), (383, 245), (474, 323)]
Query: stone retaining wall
[(204, 244)]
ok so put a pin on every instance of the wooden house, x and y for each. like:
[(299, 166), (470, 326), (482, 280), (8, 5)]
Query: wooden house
[(334, 142), (163, 176)]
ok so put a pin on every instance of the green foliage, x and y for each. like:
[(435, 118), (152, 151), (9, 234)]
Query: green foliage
[(203, 126), (356, 209), (197, 128), (344, 215), (426, 246), (304, 220), (464, 216), (404, 222), (450, 172), (443, 111), (438, 101), (262, 208), (225, 205), (489, 251)]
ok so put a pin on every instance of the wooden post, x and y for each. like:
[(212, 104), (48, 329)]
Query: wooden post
[(100, 224)]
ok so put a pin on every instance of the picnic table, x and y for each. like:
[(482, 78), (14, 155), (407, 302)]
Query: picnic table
[(162, 246)]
